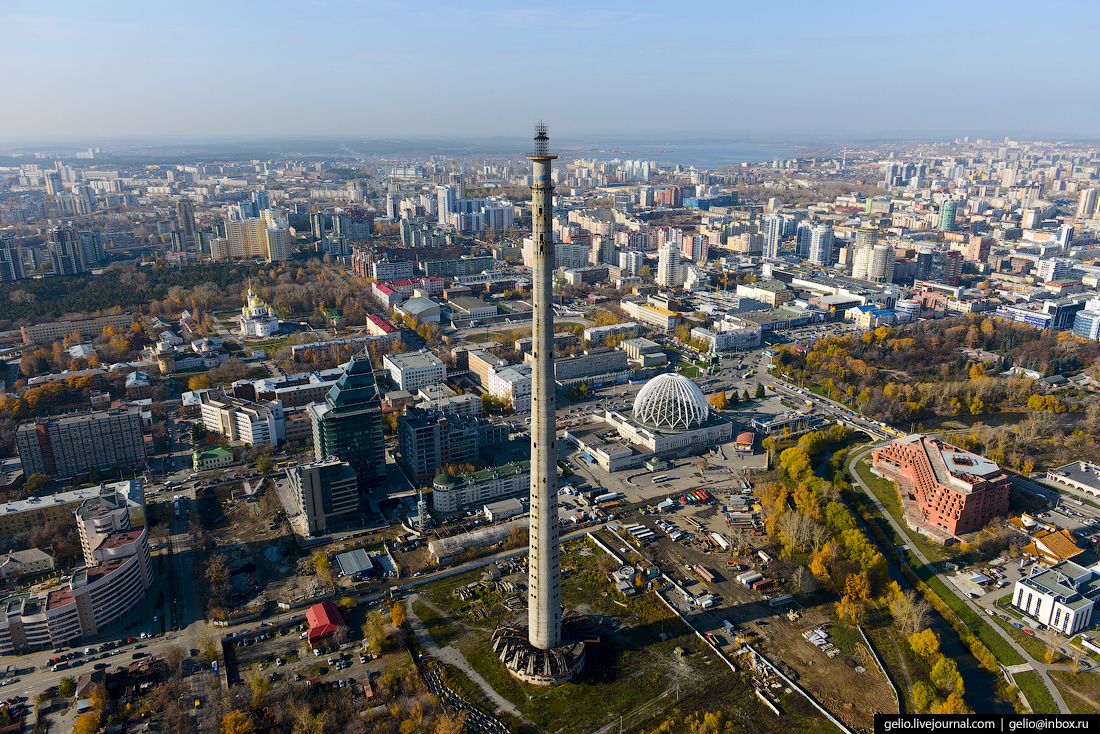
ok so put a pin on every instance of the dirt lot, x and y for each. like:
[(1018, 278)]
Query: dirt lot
[(263, 561), (646, 667), (853, 696)]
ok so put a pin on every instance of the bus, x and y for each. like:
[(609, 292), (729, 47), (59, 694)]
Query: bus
[(282, 464), (662, 478)]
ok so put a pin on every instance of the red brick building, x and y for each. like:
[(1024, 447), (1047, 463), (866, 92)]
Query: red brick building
[(955, 490)]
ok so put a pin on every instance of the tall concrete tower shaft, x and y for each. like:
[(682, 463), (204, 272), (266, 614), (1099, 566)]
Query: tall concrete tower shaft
[(544, 582)]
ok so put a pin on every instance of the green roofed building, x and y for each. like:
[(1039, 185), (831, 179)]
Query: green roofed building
[(474, 489), (211, 458), (348, 425)]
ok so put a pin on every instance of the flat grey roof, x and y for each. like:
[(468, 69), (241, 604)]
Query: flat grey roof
[(354, 561)]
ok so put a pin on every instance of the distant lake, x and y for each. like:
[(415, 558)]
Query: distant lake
[(700, 155)]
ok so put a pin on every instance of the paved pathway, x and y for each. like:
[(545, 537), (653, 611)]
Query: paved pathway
[(452, 656), (1031, 663)]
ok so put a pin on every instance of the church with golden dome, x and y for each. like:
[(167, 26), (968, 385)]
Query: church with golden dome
[(257, 318)]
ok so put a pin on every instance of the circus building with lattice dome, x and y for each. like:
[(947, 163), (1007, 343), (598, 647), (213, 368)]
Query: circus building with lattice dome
[(670, 417), (257, 318)]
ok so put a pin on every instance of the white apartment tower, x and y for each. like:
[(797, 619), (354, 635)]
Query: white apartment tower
[(864, 248), (773, 235), (668, 266), (821, 245), (1086, 204), (882, 264), (631, 261)]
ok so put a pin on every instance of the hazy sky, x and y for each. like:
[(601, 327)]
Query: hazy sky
[(596, 69)]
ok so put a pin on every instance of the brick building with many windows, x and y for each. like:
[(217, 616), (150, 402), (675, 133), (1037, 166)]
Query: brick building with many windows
[(953, 489)]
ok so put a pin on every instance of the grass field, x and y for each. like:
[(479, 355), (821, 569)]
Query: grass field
[(1037, 694), (441, 630), (1034, 646), (269, 344), (1086, 684)]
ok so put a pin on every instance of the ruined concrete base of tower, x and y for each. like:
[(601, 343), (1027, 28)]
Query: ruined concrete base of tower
[(544, 667)]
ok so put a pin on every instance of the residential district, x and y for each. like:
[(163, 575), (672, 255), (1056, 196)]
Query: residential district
[(825, 429)]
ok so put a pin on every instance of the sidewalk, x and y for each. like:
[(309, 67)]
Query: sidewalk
[(452, 656)]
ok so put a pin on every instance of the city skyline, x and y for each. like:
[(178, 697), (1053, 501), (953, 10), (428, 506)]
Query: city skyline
[(613, 71)]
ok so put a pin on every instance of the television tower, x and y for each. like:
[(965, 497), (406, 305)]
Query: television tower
[(551, 649), (544, 565)]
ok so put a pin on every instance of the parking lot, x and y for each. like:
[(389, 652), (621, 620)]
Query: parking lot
[(284, 654)]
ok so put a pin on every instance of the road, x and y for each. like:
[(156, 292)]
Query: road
[(1041, 668)]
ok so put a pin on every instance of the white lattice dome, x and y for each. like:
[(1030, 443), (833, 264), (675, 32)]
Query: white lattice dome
[(671, 401)]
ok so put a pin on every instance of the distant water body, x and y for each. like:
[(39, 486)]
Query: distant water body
[(700, 155)]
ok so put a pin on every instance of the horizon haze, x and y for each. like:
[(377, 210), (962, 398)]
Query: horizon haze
[(600, 72)]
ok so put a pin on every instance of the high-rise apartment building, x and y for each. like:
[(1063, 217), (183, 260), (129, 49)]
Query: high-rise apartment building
[(278, 243), (864, 249), (65, 447), (429, 439), (947, 215), (348, 425), (246, 238), (325, 495), (261, 200), (11, 259), (882, 264), (91, 245), (53, 183), (1057, 268), (668, 266), (773, 235), (924, 264), (631, 261), (803, 239), (602, 250), (66, 253), (821, 245), (695, 247), (445, 203), (1086, 204), (185, 213), (947, 266), (265, 237), (977, 248)]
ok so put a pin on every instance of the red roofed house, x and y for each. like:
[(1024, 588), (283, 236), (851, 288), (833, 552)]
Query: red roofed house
[(378, 326), (324, 619), (388, 296)]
